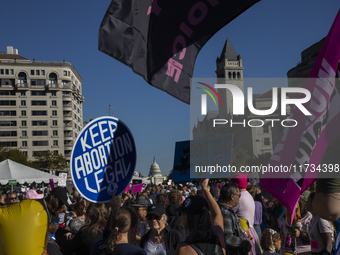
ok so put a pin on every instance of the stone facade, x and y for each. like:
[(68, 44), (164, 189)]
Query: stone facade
[(41, 105)]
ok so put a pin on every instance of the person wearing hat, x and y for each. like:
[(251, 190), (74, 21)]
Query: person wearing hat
[(52, 203), (140, 208), (32, 194), (246, 210), (160, 239), (204, 228)]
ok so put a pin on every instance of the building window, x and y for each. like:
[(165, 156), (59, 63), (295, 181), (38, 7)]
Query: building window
[(7, 71), (39, 122), (53, 78), (38, 82), (38, 102), (38, 93), (266, 141), (8, 113), (75, 134), (23, 113), (1, 71), (7, 93), (37, 72), (25, 153), (24, 133), (32, 72), (8, 144), (23, 93), (39, 113), (65, 73), (75, 116), (40, 133), (23, 123), (55, 132), (54, 94), (42, 72), (11, 71), (55, 142), (7, 123), (75, 125), (78, 128), (54, 103), (75, 107), (8, 133), (23, 102), (55, 123), (24, 143), (54, 113), (8, 102), (8, 82), (40, 143)]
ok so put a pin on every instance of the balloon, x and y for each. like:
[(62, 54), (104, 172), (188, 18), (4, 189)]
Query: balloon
[(23, 228)]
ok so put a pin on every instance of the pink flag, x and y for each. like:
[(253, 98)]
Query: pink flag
[(307, 142), (128, 188), (52, 184), (137, 188)]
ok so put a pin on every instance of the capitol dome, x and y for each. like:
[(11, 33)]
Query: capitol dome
[(154, 169)]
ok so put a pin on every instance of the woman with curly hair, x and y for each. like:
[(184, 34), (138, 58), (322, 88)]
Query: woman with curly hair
[(174, 217), (123, 233), (270, 242)]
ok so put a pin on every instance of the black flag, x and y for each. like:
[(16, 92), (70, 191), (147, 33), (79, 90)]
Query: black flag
[(160, 39)]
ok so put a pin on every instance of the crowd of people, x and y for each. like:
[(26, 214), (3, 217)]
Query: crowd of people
[(230, 217)]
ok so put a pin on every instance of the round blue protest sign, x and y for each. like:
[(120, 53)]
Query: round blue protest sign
[(103, 159)]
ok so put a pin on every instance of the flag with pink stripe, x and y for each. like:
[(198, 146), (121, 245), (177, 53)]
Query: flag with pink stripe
[(307, 142)]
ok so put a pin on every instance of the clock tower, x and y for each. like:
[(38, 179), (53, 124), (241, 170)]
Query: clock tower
[(229, 70)]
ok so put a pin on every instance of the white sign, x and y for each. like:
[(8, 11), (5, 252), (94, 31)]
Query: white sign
[(62, 179)]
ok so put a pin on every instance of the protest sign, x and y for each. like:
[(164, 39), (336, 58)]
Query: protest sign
[(62, 179), (103, 159), (137, 188)]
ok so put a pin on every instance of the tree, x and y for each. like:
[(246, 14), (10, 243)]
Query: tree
[(15, 155), (170, 175), (49, 160)]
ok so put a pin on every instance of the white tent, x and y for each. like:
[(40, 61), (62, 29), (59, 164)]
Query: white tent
[(10, 170)]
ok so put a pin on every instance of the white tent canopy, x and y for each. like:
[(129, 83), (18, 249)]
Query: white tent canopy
[(10, 170)]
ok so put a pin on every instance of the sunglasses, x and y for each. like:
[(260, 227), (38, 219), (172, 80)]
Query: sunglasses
[(12, 198), (239, 195), (152, 217)]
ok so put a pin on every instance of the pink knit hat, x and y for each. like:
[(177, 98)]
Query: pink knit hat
[(240, 180), (32, 194)]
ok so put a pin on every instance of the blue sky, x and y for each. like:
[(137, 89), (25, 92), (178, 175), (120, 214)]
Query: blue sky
[(269, 36)]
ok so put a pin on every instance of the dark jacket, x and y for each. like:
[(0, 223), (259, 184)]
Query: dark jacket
[(175, 219), (152, 196), (172, 239), (81, 243)]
